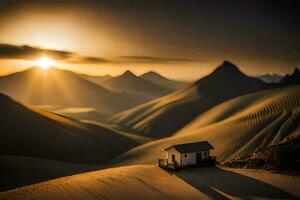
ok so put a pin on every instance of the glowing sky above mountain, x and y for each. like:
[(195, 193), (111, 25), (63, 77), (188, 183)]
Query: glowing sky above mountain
[(171, 37)]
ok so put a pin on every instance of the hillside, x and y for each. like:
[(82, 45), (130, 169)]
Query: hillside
[(151, 182), (162, 81), (43, 87), (164, 116), (96, 79), (292, 79), (271, 78), (37, 133), (235, 127), (280, 156), (18, 171), (131, 182), (132, 84)]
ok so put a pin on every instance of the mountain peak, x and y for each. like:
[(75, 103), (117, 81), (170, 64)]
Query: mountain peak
[(296, 72), (152, 74), (227, 68), (128, 74)]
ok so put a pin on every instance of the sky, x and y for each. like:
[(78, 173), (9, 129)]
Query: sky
[(183, 40)]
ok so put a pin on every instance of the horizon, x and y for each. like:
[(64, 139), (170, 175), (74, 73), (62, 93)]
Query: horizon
[(145, 72), (110, 37)]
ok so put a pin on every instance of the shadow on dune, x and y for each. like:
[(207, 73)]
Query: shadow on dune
[(218, 183)]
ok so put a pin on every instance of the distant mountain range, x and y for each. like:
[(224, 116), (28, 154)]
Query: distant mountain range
[(132, 84), (164, 116), (151, 76), (292, 79), (270, 78), (64, 88), (162, 81), (96, 79)]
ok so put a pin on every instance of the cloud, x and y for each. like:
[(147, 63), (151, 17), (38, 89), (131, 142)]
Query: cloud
[(26, 52), (88, 59), (152, 59), (8, 51)]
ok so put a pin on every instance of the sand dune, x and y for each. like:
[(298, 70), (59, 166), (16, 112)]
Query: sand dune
[(37, 133), (166, 115), (63, 88), (17, 171), (132, 182), (237, 126), (150, 182)]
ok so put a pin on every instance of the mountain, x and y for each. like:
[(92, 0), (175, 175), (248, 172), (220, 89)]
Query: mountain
[(292, 79), (162, 81), (235, 127), (164, 116), (37, 133), (63, 88), (132, 84), (96, 79), (270, 78)]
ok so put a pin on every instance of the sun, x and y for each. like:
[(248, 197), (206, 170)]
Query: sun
[(44, 62)]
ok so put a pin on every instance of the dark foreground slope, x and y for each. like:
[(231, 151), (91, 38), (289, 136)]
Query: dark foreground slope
[(43, 145)]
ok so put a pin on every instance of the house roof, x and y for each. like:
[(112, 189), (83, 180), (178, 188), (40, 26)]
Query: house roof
[(192, 147)]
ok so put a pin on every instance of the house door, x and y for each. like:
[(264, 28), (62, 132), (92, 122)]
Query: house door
[(173, 158), (198, 158)]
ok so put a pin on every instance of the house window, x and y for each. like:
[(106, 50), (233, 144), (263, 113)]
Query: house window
[(185, 155)]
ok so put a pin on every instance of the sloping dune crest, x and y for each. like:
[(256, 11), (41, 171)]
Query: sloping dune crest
[(234, 127), (132, 182), (37, 133), (18, 171)]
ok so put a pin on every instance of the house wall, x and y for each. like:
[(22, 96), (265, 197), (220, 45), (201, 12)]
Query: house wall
[(182, 160), (176, 153), (188, 159), (191, 158)]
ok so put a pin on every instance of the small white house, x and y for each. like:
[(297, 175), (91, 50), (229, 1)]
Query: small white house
[(187, 154)]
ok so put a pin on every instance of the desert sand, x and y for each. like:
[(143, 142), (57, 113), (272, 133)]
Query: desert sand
[(151, 182), (32, 137), (234, 127)]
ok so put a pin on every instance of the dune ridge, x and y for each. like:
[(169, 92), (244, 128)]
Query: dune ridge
[(260, 119), (131, 182)]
